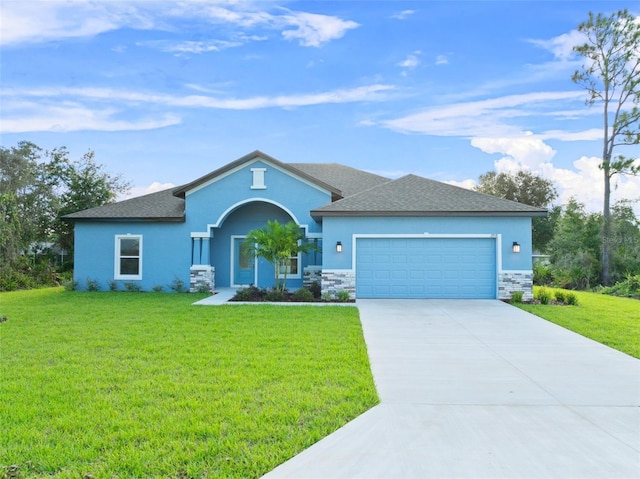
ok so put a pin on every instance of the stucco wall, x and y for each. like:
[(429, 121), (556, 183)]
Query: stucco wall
[(166, 253), (510, 228)]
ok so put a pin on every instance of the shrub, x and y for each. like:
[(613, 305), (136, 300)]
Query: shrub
[(250, 294), (71, 285), (157, 288), (93, 284), (132, 287), (543, 295), (343, 296), (316, 290), (113, 285), (203, 288), (302, 295), (177, 286), (542, 274), (326, 296), (560, 296), (276, 295), (516, 296), (629, 287), (572, 299)]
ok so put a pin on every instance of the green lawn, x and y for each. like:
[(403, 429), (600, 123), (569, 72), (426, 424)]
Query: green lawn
[(146, 385), (609, 320)]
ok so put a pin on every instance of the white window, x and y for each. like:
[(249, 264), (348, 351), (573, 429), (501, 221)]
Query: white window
[(290, 266), (128, 261), (258, 179)]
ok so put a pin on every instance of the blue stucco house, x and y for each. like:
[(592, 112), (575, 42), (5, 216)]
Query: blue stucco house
[(409, 237)]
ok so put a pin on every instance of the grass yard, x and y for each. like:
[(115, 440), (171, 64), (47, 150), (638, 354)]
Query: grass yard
[(146, 385), (609, 320)]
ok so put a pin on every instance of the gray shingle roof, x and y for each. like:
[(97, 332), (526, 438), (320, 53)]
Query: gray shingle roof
[(159, 206), (348, 180), (363, 194), (413, 195)]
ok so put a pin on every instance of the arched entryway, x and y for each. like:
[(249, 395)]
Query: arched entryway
[(233, 261)]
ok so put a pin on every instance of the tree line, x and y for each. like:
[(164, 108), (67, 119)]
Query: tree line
[(37, 188), (569, 241)]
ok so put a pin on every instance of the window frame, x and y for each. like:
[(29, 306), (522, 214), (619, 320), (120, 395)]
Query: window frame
[(118, 257), (297, 275)]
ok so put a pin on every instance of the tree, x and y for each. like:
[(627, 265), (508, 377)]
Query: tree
[(37, 187), (575, 247), (28, 199), (277, 243), (86, 185), (611, 76), (528, 188), (625, 242)]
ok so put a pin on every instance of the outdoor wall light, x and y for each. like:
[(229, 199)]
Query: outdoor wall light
[(339, 247), (516, 247)]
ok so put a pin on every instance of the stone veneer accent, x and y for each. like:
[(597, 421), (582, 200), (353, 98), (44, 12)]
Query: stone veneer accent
[(510, 281), (339, 280), (311, 275), (202, 275)]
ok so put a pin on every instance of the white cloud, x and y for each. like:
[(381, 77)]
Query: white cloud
[(403, 14), (442, 60), (39, 21), (466, 184), (145, 190), (195, 47), (482, 118), (347, 95), (312, 30), (70, 116), (36, 21), (562, 46), (584, 182), (411, 61), (523, 152), (585, 135)]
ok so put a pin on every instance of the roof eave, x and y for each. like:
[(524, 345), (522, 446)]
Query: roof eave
[(320, 214), (128, 219)]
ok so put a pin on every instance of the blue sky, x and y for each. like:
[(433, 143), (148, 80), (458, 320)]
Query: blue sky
[(165, 92)]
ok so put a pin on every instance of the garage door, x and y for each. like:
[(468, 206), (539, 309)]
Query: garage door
[(425, 268)]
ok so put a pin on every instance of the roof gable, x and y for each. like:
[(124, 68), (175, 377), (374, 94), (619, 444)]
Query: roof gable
[(245, 160), (413, 195)]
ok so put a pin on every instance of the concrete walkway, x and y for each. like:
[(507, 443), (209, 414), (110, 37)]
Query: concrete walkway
[(480, 389)]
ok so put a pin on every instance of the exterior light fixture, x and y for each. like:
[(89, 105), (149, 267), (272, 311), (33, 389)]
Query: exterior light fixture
[(339, 247), (516, 247)]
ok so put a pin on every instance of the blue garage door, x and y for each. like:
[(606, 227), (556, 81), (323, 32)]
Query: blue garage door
[(426, 268)]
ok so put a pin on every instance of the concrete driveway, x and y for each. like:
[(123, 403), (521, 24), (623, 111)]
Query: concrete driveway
[(480, 389)]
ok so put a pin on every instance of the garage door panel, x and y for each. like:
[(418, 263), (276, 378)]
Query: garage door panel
[(426, 268)]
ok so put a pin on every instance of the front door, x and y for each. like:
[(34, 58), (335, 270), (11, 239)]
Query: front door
[(244, 263)]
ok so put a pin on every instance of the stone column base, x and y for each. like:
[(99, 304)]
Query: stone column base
[(339, 280), (511, 281), (201, 278)]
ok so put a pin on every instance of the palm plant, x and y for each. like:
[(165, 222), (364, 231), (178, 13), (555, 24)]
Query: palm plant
[(277, 243)]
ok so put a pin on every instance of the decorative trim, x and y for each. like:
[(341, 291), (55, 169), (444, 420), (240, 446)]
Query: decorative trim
[(258, 179)]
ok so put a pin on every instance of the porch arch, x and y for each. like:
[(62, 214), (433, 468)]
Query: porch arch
[(225, 214)]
